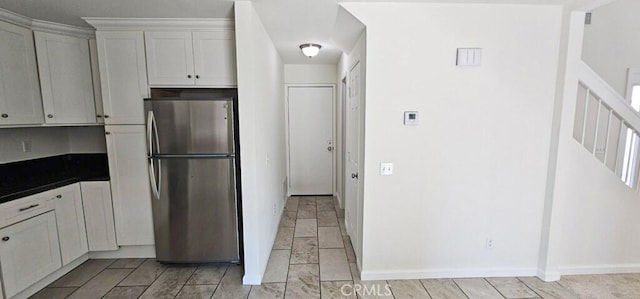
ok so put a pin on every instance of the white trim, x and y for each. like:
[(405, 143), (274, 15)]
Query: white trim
[(165, 24), (447, 273), (14, 18), (548, 276), (45, 26), (600, 269), (36, 287), (252, 280), (51, 27), (144, 251)]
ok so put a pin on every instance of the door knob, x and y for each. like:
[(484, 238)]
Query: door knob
[(354, 175)]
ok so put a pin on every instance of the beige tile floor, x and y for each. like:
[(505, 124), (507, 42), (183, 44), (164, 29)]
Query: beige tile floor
[(311, 258)]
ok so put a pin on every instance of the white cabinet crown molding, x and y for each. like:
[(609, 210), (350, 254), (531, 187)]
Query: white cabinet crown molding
[(163, 24), (45, 26), (51, 27), (14, 18)]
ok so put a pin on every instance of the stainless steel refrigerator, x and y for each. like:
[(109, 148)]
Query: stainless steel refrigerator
[(192, 171)]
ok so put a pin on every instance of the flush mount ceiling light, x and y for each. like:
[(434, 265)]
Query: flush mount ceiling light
[(310, 50)]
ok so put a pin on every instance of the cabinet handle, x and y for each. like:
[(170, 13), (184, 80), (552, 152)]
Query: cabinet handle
[(98, 115), (107, 133), (106, 116), (197, 76), (5, 239), (58, 196), (28, 208), (4, 115), (189, 76), (50, 115)]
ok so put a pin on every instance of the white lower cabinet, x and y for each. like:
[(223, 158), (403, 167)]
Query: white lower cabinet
[(98, 215), (130, 187), (70, 219), (29, 251)]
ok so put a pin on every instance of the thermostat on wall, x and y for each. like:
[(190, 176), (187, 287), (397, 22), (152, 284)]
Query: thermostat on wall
[(411, 118)]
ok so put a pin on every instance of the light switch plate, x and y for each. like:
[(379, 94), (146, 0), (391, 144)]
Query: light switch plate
[(386, 168), (469, 57)]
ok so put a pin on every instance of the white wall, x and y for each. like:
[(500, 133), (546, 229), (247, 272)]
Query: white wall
[(611, 43), (594, 223), (309, 73), (262, 138), (51, 141), (476, 166), (87, 140)]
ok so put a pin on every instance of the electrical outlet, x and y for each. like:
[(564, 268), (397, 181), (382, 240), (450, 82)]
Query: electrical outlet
[(267, 159), (26, 146), (386, 168), (490, 243), (274, 209)]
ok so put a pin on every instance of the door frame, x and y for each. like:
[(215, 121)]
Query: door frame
[(333, 132)]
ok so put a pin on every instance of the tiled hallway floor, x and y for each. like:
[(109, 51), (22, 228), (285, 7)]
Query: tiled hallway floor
[(312, 258)]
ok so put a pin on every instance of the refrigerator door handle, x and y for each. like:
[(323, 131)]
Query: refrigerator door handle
[(155, 183)]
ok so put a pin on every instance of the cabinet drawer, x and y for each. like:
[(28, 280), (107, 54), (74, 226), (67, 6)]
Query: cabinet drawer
[(20, 209)]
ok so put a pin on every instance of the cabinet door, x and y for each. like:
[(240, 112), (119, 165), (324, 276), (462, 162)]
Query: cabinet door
[(215, 58), (29, 251), (65, 79), (98, 215), (20, 101), (95, 79), (123, 76), (169, 58), (70, 219), (130, 188)]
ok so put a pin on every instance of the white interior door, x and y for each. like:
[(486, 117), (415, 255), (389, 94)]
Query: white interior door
[(311, 140), (352, 143)]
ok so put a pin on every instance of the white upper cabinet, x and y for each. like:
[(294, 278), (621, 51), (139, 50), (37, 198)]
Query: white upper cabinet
[(215, 58), (169, 58), (95, 78), (123, 76), (20, 101), (184, 58), (65, 79)]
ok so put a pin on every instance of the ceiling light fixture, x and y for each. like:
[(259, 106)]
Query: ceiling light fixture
[(310, 50)]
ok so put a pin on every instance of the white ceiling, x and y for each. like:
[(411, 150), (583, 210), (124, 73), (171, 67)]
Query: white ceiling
[(289, 22)]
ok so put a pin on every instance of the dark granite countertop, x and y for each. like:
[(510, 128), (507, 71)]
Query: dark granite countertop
[(24, 178)]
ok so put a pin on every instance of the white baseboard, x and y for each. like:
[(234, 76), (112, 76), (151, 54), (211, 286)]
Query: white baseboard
[(340, 203), (143, 251), (600, 269), (445, 273), (548, 276), (251, 280), (30, 291)]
